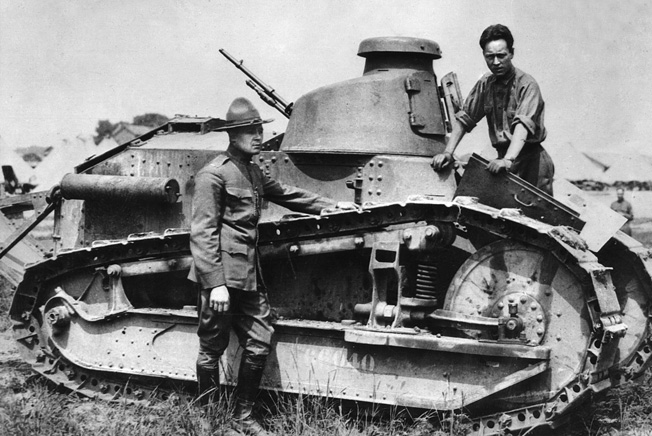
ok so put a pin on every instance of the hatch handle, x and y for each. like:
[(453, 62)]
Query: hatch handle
[(522, 203)]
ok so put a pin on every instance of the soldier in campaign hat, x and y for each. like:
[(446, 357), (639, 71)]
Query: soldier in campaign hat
[(226, 208)]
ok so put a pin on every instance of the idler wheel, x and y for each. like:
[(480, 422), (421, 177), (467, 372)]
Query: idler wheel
[(58, 318), (549, 301)]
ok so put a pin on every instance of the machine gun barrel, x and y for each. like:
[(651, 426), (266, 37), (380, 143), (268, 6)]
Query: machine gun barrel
[(266, 93)]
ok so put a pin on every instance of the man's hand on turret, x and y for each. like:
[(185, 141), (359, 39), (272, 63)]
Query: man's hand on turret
[(442, 161)]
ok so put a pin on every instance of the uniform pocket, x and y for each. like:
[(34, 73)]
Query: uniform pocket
[(239, 193), (240, 206)]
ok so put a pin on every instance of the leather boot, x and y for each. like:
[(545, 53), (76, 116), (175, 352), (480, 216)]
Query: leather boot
[(249, 376), (208, 386)]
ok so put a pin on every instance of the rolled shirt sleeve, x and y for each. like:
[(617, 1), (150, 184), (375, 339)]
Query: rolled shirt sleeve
[(473, 110), (529, 108)]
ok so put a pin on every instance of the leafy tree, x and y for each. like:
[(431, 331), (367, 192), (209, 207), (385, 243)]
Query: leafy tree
[(150, 120), (103, 129)]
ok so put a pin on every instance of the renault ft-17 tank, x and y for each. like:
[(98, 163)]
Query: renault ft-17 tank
[(481, 294)]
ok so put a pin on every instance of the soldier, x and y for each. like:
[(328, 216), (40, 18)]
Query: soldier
[(512, 102), (226, 208), (624, 208)]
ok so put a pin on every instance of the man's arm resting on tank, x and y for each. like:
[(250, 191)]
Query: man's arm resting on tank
[(445, 159), (219, 299), (515, 147)]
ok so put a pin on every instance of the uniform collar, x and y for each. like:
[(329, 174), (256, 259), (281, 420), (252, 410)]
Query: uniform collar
[(238, 156)]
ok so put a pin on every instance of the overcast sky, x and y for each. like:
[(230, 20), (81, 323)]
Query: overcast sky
[(66, 64)]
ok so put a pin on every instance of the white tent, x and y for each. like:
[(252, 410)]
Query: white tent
[(8, 156), (65, 157), (573, 165), (630, 168)]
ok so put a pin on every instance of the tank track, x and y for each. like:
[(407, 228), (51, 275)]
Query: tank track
[(598, 373)]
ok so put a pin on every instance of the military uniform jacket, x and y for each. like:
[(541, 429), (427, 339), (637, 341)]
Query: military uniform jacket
[(226, 208)]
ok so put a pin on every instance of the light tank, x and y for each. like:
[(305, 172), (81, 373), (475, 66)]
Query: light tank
[(478, 293)]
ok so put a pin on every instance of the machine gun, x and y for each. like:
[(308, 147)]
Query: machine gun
[(266, 93)]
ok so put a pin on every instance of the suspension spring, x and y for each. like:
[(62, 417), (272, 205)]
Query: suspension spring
[(426, 287)]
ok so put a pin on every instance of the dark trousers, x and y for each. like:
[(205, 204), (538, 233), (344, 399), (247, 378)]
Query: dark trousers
[(248, 316), (534, 165)]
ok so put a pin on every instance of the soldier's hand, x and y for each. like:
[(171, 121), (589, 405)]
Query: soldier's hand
[(441, 161), (219, 299), (347, 205), (498, 165)]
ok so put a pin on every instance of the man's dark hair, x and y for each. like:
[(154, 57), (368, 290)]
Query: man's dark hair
[(496, 32)]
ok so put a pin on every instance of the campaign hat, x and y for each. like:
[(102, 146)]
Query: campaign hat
[(242, 113)]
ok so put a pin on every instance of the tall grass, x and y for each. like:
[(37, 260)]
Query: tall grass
[(29, 407)]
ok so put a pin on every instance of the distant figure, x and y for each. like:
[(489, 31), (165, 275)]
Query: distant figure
[(512, 102), (624, 208)]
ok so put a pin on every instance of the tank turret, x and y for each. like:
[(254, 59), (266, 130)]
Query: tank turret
[(394, 108)]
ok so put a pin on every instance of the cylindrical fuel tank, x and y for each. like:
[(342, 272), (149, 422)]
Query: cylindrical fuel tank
[(394, 108), (104, 187)]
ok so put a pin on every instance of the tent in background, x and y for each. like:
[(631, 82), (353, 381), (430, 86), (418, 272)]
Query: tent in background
[(573, 165), (66, 156), (8, 156)]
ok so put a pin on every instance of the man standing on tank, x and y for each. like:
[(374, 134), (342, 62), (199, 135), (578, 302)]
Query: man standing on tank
[(226, 208), (511, 100)]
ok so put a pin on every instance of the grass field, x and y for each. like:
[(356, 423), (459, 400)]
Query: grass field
[(28, 406)]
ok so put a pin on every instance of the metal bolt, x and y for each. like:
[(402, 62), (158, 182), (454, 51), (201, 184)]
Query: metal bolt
[(540, 332), (523, 299), (71, 374), (104, 389), (533, 306), (139, 394), (380, 178), (358, 241), (540, 318), (501, 305), (548, 292), (294, 249), (559, 337)]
